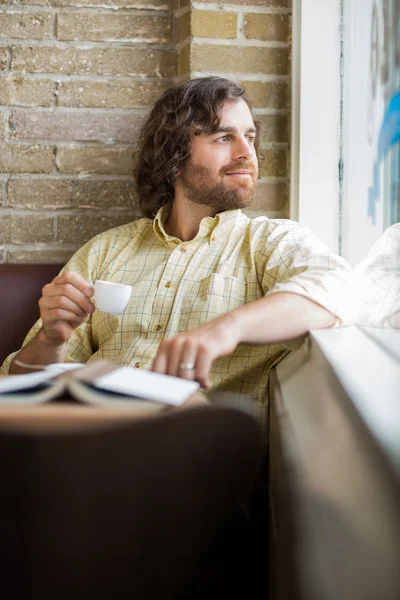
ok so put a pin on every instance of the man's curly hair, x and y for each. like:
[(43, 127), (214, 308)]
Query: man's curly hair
[(165, 139)]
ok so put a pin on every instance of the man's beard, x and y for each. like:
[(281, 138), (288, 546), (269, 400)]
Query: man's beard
[(200, 187)]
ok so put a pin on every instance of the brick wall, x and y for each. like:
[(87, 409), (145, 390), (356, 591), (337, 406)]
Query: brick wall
[(77, 78), (248, 40)]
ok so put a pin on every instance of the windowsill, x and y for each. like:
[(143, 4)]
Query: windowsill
[(370, 376), (366, 372), (334, 469)]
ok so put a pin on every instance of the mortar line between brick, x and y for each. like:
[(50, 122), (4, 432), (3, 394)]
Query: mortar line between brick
[(140, 12), (54, 98), (69, 176), (38, 246), (71, 143), (8, 61), (244, 43), (67, 212), (183, 43), (240, 27), (179, 12), (44, 247), (55, 228), (91, 110), (266, 10), (55, 166), (54, 26), (257, 77), (73, 110), (7, 117), (97, 78), (4, 191), (273, 180), (262, 112), (134, 44)]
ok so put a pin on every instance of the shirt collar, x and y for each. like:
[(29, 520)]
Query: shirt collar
[(210, 227)]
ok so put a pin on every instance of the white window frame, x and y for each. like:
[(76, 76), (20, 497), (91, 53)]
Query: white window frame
[(316, 118)]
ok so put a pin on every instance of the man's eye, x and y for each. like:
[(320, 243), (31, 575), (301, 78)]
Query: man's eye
[(251, 139), (224, 138)]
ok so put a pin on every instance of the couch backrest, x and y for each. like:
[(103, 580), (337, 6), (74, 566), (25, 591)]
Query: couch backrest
[(20, 289)]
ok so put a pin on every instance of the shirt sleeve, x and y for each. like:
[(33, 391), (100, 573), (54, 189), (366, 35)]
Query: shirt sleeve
[(296, 261), (375, 282)]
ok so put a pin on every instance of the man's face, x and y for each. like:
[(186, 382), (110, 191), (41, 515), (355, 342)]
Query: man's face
[(223, 168)]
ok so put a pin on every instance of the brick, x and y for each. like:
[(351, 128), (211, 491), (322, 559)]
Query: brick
[(268, 94), (176, 4), (265, 27), (20, 91), (159, 4), (3, 58), (184, 60), (274, 163), (71, 193), (114, 161), (78, 229), (183, 27), (79, 125), (213, 24), (25, 229), (53, 255), (105, 27), (230, 59), (274, 128), (94, 61), (26, 26), (26, 159), (271, 197), (109, 94)]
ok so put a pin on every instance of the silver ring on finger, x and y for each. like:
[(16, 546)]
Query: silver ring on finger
[(187, 366)]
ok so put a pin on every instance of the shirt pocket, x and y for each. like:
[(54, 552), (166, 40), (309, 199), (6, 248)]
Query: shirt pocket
[(211, 297)]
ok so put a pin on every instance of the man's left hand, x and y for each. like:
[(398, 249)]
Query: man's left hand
[(190, 354)]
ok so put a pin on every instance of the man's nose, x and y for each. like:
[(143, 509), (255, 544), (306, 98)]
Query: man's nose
[(243, 148)]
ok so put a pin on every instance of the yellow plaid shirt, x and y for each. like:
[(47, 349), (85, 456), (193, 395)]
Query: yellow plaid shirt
[(233, 260)]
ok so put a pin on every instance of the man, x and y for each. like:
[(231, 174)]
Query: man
[(215, 294)]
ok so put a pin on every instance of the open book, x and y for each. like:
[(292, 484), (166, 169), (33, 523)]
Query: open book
[(99, 382)]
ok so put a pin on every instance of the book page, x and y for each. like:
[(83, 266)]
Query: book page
[(12, 383), (147, 385)]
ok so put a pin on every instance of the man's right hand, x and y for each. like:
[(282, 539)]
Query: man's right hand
[(65, 303)]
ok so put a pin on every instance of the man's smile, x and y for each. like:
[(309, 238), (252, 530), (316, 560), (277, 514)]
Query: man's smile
[(240, 173)]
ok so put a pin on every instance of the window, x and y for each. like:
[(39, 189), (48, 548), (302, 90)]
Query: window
[(346, 121), (346, 174)]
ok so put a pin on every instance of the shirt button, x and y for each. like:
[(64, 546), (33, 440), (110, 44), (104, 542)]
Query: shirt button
[(182, 249), (168, 284), (157, 328), (213, 238), (137, 365)]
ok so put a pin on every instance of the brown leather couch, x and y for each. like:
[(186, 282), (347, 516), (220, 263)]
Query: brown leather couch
[(20, 290), (81, 518)]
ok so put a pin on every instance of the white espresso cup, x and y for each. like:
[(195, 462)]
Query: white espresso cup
[(111, 297)]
